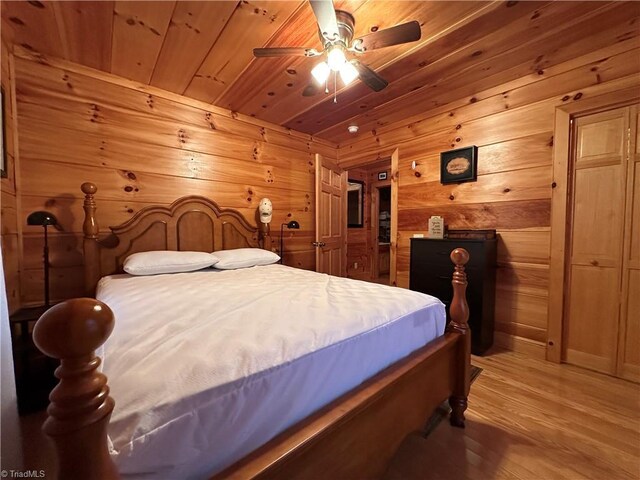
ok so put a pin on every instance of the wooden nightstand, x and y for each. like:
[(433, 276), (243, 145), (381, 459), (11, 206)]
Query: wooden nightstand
[(33, 370)]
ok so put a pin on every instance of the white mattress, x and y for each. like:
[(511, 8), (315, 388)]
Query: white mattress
[(206, 366)]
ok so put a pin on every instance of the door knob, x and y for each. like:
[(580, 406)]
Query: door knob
[(318, 244)]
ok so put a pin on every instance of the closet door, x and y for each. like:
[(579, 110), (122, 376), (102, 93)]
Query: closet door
[(629, 345), (598, 215)]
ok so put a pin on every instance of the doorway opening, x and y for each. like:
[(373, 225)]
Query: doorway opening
[(381, 235), (370, 238)]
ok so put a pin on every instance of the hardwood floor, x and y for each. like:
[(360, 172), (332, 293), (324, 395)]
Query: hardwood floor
[(527, 419), (531, 419)]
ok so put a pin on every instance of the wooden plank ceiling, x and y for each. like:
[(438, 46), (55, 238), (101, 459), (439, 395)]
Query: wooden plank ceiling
[(204, 50)]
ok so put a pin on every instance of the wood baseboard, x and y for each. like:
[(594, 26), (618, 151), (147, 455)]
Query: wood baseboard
[(520, 345)]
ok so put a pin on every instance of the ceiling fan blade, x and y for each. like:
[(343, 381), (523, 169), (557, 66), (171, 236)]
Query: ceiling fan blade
[(404, 33), (285, 51), (374, 81), (311, 90), (326, 16)]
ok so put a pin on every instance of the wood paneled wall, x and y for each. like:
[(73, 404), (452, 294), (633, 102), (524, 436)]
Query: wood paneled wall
[(8, 200), (143, 146), (513, 126)]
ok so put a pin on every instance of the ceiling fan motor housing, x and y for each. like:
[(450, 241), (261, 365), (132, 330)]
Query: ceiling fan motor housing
[(346, 24)]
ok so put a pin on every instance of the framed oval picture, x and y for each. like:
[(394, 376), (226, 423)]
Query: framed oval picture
[(459, 165)]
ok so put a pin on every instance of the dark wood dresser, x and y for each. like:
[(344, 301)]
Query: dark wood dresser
[(430, 273)]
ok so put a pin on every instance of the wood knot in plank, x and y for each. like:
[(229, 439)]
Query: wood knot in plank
[(208, 118)]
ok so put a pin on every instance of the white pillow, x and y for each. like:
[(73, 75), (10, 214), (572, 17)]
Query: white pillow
[(167, 261), (244, 257)]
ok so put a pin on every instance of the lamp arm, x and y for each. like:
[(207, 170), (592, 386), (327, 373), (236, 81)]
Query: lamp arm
[(46, 267)]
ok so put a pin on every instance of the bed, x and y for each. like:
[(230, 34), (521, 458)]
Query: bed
[(303, 373)]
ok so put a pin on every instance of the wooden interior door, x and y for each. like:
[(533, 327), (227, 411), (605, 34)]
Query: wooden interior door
[(331, 218), (596, 241), (629, 339)]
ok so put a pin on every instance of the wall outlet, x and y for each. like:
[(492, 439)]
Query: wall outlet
[(355, 265)]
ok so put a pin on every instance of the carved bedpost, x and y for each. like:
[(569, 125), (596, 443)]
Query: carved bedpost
[(459, 312), (91, 231), (265, 235), (80, 406)]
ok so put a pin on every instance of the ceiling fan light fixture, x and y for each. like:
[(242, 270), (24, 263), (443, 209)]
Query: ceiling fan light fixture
[(336, 58), (321, 72), (348, 73)]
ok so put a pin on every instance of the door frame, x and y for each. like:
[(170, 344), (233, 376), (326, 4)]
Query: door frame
[(375, 210), (394, 154), (560, 197)]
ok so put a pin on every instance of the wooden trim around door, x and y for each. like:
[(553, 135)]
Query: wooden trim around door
[(393, 248)]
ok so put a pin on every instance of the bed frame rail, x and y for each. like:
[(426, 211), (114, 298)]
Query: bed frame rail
[(80, 405)]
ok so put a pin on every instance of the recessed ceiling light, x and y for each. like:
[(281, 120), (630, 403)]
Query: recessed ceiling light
[(353, 128)]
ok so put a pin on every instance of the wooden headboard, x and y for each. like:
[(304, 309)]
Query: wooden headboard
[(190, 223)]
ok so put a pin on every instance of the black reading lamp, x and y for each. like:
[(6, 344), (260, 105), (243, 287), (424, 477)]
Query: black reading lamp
[(291, 225), (44, 219)]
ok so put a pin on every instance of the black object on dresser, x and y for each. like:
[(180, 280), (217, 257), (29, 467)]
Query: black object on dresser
[(33, 370), (430, 273)]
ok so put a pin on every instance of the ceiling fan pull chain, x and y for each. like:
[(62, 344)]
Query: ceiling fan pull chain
[(326, 85), (335, 87)]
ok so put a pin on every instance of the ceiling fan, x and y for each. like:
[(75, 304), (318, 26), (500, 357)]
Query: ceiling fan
[(336, 28)]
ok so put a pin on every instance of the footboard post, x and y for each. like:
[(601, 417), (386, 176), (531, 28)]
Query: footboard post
[(80, 406), (459, 312)]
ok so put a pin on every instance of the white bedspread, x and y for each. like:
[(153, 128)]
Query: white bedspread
[(206, 366)]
